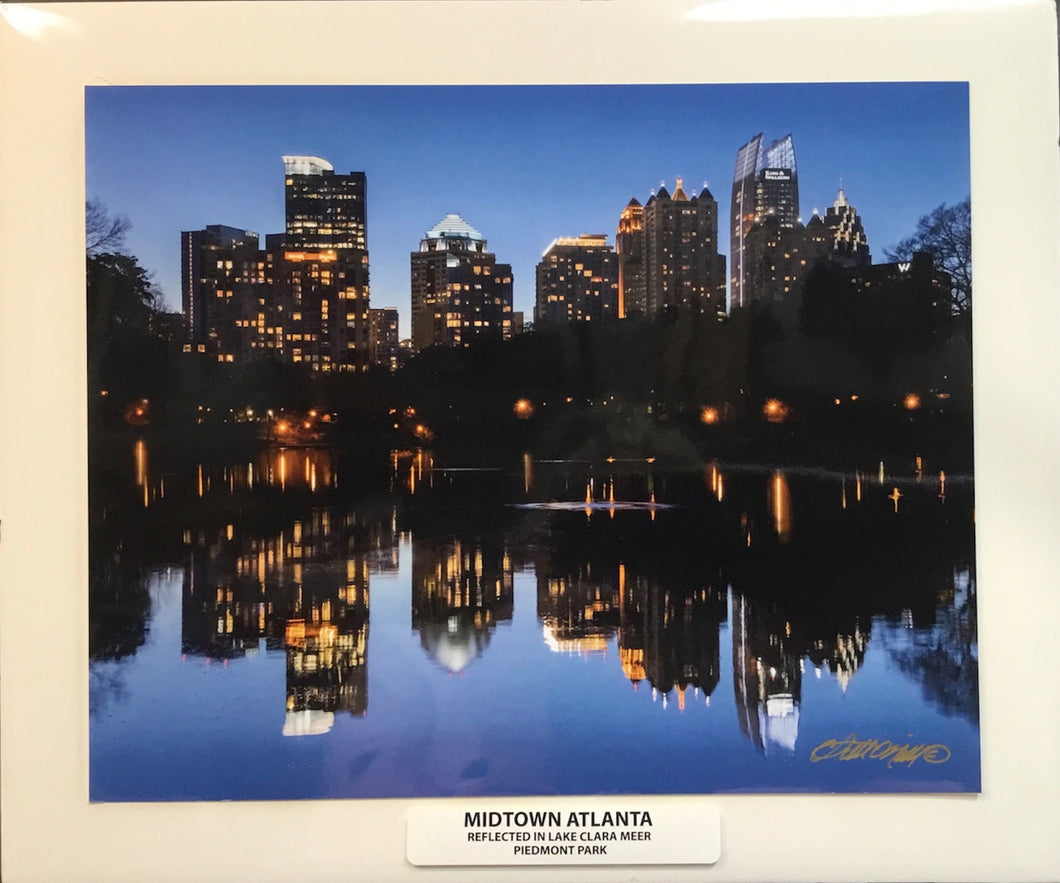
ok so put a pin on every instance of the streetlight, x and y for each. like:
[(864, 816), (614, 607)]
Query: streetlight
[(775, 411)]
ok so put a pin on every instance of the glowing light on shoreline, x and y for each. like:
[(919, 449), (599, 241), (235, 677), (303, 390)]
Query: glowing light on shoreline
[(775, 411), (709, 415)]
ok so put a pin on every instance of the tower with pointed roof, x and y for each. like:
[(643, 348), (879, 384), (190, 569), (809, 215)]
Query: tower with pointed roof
[(672, 261), (460, 294), (848, 245)]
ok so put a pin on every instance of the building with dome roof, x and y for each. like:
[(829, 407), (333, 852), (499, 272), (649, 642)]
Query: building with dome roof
[(460, 294)]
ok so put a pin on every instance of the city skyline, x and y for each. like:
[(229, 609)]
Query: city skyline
[(547, 162)]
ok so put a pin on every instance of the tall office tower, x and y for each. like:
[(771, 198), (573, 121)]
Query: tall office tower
[(210, 264), (777, 183), (847, 243), (384, 342), (304, 298), (325, 266), (323, 210), (681, 252), (765, 184), (777, 258), (629, 244), (577, 281), (460, 294)]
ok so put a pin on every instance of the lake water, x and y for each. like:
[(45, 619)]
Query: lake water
[(286, 626)]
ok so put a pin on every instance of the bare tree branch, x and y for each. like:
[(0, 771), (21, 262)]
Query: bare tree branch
[(946, 234), (104, 232)]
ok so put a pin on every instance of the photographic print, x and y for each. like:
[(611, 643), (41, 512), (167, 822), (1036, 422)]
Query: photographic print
[(530, 440)]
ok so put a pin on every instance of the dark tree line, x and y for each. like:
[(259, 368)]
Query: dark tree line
[(945, 233), (621, 381), (133, 341)]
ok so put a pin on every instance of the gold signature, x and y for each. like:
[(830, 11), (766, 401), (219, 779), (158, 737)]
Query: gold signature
[(852, 748)]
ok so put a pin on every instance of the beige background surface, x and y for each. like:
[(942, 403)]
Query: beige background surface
[(51, 833)]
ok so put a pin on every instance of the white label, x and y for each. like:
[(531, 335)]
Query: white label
[(596, 831)]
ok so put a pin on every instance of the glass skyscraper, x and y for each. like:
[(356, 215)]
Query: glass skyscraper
[(765, 184)]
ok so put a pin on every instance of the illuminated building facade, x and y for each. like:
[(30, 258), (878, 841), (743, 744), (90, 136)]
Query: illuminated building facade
[(845, 243), (669, 254), (305, 297), (778, 254), (323, 211), (384, 340), (577, 281), (460, 294), (325, 265), (777, 257), (765, 185), (684, 269), (629, 245), (212, 261)]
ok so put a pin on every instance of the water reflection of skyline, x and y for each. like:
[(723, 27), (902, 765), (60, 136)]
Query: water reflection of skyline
[(461, 589), (303, 588)]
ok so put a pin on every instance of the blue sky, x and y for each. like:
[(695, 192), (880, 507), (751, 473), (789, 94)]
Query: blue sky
[(523, 164)]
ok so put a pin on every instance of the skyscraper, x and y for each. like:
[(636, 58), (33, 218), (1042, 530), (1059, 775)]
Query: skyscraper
[(304, 298), (765, 184), (777, 258), (577, 281), (668, 254), (460, 294), (208, 260), (384, 342), (326, 265), (323, 211), (629, 244), (847, 245), (683, 269)]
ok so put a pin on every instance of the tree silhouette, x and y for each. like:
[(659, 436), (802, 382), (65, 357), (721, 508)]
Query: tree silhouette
[(104, 232), (946, 234), (129, 339)]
